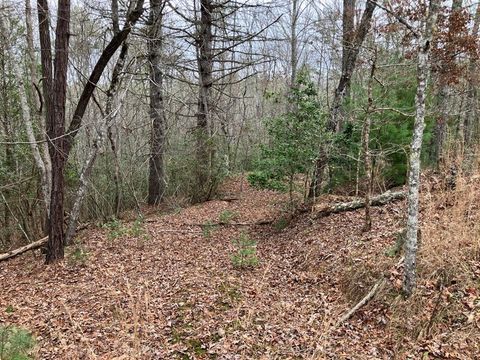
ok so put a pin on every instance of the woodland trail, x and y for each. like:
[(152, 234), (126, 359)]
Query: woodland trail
[(170, 291)]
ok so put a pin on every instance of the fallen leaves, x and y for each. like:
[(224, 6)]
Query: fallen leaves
[(177, 295)]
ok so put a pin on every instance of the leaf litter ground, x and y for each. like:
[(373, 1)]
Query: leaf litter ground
[(173, 293)]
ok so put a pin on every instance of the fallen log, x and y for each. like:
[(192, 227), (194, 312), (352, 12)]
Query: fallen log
[(378, 200), (32, 246)]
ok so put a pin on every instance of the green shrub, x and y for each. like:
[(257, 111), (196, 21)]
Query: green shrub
[(226, 216), (245, 255), (137, 229), (262, 179), (79, 255), (281, 223), (116, 229), (207, 229), (15, 343), (294, 140)]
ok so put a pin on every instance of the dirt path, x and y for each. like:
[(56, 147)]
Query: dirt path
[(172, 292)]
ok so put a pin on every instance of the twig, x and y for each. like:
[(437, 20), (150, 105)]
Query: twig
[(400, 19)]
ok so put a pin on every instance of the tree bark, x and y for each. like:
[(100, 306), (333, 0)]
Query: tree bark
[(423, 69), (294, 43), (366, 149), (55, 86), (204, 44), (348, 36), (471, 126), (444, 90), (378, 200), (156, 179)]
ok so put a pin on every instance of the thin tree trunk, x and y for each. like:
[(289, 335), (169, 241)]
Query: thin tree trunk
[(348, 37), (104, 129), (423, 69), (111, 124), (444, 90), (156, 179), (35, 103), (471, 117), (366, 150), (294, 43), (27, 119)]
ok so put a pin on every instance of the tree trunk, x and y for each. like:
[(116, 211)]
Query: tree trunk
[(348, 36), (35, 104), (27, 119), (439, 132), (471, 125), (56, 131), (294, 43), (423, 69), (444, 91), (32, 246), (366, 150), (156, 179), (204, 43), (111, 123)]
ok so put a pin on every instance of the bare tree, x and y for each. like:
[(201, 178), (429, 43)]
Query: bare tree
[(156, 179), (54, 90), (423, 70), (54, 93), (470, 126), (444, 89), (366, 146)]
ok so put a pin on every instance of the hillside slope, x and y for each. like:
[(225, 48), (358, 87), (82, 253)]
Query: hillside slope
[(167, 289)]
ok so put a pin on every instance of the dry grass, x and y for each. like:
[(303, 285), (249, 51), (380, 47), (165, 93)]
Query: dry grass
[(442, 317)]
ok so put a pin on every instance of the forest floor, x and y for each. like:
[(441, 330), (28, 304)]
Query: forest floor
[(166, 288)]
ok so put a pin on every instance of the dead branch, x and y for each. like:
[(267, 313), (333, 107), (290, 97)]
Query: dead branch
[(362, 302), (32, 246), (378, 285), (262, 222)]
